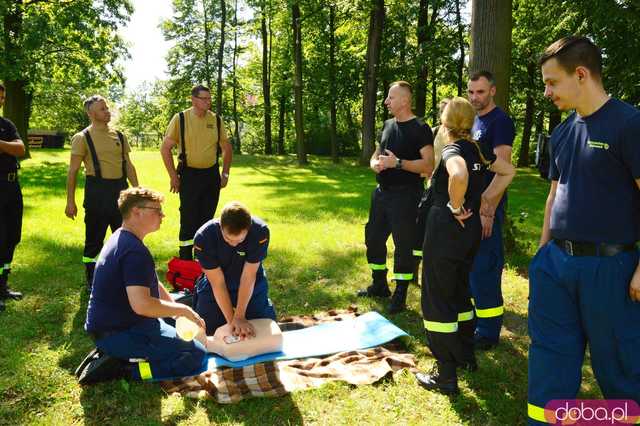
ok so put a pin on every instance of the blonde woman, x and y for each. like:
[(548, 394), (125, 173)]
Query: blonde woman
[(453, 233)]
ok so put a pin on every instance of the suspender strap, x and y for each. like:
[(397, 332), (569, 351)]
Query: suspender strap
[(94, 156), (124, 159), (218, 150), (183, 155)]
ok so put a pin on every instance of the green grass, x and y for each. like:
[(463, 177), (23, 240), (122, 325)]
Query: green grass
[(316, 262)]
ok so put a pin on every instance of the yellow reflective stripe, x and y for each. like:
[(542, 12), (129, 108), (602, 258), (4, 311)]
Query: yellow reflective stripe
[(490, 313), (473, 301), (465, 316), (145, 370), (538, 413), (377, 266), (86, 259), (441, 327), (1, 270), (417, 253), (403, 277), (185, 243)]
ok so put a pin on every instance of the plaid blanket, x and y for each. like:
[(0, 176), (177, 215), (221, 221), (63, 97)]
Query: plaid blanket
[(230, 385)]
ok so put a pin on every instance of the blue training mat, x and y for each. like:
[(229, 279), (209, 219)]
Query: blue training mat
[(365, 331)]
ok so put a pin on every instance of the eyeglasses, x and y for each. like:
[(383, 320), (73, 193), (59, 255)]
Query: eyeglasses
[(158, 209)]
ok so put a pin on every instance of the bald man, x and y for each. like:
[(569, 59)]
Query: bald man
[(405, 151)]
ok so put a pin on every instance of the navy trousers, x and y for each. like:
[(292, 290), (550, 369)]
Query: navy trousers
[(575, 301), (486, 281), (165, 355)]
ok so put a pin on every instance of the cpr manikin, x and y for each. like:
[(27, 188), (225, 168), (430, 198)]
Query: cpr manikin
[(268, 338)]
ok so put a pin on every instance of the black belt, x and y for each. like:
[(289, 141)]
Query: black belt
[(9, 177), (577, 248), (399, 187), (97, 335)]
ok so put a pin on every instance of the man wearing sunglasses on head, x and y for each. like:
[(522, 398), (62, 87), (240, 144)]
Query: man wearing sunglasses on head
[(199, 136)]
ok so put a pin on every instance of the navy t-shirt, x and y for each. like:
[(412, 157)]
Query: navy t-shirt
[(124, 261), (475, 167), (212, 251), (8, 132), (405, 139), (595, 160), (491, 130)]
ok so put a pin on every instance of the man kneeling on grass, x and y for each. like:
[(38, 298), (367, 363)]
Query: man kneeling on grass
[(233, 289), (127, 302)]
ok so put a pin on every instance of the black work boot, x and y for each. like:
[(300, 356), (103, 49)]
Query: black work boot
[(5, 291), (379, 286), (186, 253), (88, 273), (441, 378), (399, 298)]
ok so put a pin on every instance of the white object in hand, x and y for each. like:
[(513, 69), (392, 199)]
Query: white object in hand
[(186, 329)]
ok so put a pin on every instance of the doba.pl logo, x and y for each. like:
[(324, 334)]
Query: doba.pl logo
[(591, 412)]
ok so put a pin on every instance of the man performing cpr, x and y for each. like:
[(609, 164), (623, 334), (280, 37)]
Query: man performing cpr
[(233, 289)]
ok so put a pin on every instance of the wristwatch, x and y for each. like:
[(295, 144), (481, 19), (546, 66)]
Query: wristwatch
[(454, 211), (398, 163), (225, 175)]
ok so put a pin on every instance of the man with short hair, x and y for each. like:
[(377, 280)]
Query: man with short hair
[(585, 279), (495, 131), (234, 287), (127, 301), (198, 133), (11, 147), (105, 154), (405, 152)]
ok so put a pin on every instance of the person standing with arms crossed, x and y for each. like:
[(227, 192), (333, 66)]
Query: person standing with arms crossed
[(11, 147), (197, 132), (495, 131)]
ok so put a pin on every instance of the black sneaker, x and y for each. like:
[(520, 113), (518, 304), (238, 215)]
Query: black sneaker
[(481, 343), (434, 381), (102, 369), (92, 355), (7, 293), (374, 291)]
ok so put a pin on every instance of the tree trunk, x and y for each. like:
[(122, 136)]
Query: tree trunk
[(434, 97), (266, 85), (491, 44), (17, 104), (297, 83), (385, 93), (461, 48), (540, 123), (282, 112), (423, 70), (523, 156), (333, 134), (555, 118), (235, 76), (223, 20), (205, 47), (376, 24)]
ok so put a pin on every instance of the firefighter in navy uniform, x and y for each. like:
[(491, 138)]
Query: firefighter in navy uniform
[(453, 232), (11, 147), (405, 151), (105, 154), (198, 133), (584, 281)]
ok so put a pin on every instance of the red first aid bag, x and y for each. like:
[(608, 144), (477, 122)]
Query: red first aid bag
[(182, 274)]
